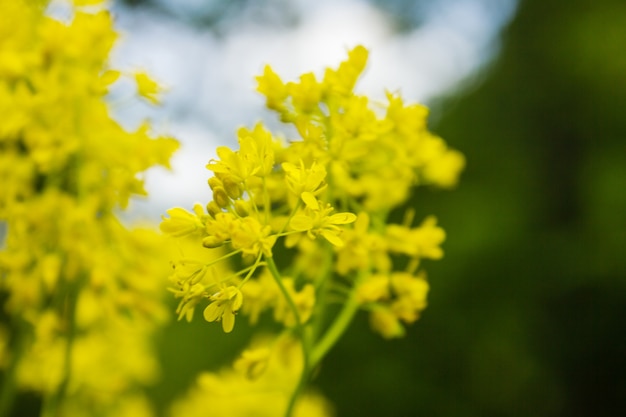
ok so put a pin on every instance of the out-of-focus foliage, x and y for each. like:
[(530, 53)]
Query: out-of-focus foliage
[(80, 292)]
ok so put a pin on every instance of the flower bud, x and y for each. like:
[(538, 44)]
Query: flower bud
[(212, 242), (242, 208), (215, 182), (233, 189), (213, 209), (220, 197)]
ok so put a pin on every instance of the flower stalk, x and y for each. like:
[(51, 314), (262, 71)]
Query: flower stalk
[(323, 200)]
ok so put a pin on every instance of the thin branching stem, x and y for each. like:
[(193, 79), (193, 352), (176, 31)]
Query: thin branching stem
[(300, 332)]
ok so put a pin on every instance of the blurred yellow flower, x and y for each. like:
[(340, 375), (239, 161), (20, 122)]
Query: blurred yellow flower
[(147, 87)]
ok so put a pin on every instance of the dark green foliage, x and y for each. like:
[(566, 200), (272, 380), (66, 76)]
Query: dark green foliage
[(526, 313)]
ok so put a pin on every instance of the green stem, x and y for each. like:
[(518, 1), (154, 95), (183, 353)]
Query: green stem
[(9, 388), (266, 201), (247, 191), (306, 369), (321, 292), (250, 270), (52, 404), (221, 258), (293, 213), (336, 330), (7, 396)]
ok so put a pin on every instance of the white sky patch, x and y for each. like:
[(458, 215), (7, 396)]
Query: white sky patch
[(211, 84), (186, 183)]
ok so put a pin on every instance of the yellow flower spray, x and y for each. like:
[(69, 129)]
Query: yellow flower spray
[(297, 230), (79, 296), (321, 203)]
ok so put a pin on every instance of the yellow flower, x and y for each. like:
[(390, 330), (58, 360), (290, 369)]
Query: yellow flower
[(65, 168), (273, 88), (300, 179), (420, 242), (317, 220), (444, 171), (252, 237), (363, 248), (253, 362), (191, 271), (342, 80), (257, 147), (232, 165), (147, 87), (374, 288), (385, 322), (411, 292), (306, 94), (230, 392), (87, 2), (225, 303), (180, 223), (348, 155), (218, 229)]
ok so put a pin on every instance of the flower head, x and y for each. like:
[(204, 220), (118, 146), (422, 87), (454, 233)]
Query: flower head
[(147, 87), (225, 303), (181, 222), (317, 220)]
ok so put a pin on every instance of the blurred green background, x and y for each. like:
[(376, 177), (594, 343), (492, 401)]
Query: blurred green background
[(527, 310)]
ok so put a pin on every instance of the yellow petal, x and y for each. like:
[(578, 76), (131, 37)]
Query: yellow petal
[(228, 321), (301, 223), (212, 312), (332, 238), (342, 218), (147, 87), (310, 200), (109, 77)]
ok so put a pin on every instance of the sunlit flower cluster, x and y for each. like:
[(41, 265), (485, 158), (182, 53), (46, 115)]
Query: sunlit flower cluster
[(77, 285), (299, 226)]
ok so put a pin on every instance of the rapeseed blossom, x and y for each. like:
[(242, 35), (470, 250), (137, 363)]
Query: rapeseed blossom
[(225, 303), (300, 225), (259, 384), (79, 288)]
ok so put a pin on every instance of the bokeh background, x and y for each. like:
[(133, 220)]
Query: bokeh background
[(527, 310)]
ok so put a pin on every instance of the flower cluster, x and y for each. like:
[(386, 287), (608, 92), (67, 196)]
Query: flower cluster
[(77, 285), (295, 226), (259, 384)]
